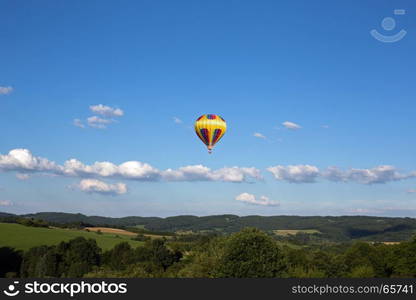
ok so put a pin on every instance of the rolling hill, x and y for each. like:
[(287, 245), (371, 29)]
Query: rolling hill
[(340, 228)]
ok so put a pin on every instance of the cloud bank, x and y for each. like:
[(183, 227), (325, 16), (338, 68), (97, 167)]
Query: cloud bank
[(23, 161), (309, 174), (202, 173)]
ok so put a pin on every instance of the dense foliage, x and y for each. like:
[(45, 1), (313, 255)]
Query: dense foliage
[(68, 259), (249, 253)]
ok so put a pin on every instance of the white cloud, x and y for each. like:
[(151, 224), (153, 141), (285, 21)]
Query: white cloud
[(251, 199), (22, 160), (4, 90), (325, 126), (177, 120), (380, 174), (291, 125), (129, 170), (334, 174), (97, 122), (202, 173), (100, 187), (22, 176), (411, 191), (106, 111), (78, 123), (309, 174), (259, 135), (138, 170), (295, 174), (100, 122), (235, 174)]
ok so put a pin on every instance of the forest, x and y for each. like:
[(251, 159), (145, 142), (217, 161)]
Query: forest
[(249, 253)]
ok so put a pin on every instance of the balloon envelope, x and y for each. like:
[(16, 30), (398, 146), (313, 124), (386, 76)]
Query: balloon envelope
[(210, 129)]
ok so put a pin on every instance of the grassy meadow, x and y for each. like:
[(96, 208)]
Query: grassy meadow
[(24, 237)]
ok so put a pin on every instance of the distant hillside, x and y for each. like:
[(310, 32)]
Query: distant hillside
[(63, 218), (342, 228), (4, 215)]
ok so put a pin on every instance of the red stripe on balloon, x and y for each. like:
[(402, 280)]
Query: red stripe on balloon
[(217, 134), (204, 134)]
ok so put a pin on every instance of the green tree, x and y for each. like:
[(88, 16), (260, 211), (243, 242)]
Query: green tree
[(204, 260), (119, 257), (251, 253), (161, 255), (79, 255), (363, 254), (403, 258), (29, 267), (47, 265)]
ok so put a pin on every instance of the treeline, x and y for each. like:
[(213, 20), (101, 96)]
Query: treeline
[(340, 228), (247, 254), (58, 217), (28, 222), (36, 222), (80, 256)]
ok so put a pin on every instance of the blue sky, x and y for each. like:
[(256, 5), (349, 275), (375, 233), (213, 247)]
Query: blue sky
[(257, 64)]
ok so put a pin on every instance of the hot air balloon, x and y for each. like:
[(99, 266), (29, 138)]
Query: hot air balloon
[(210, 129)]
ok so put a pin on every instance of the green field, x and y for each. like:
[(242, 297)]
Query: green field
[(139, 226), (287, 232), (23, 237)]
